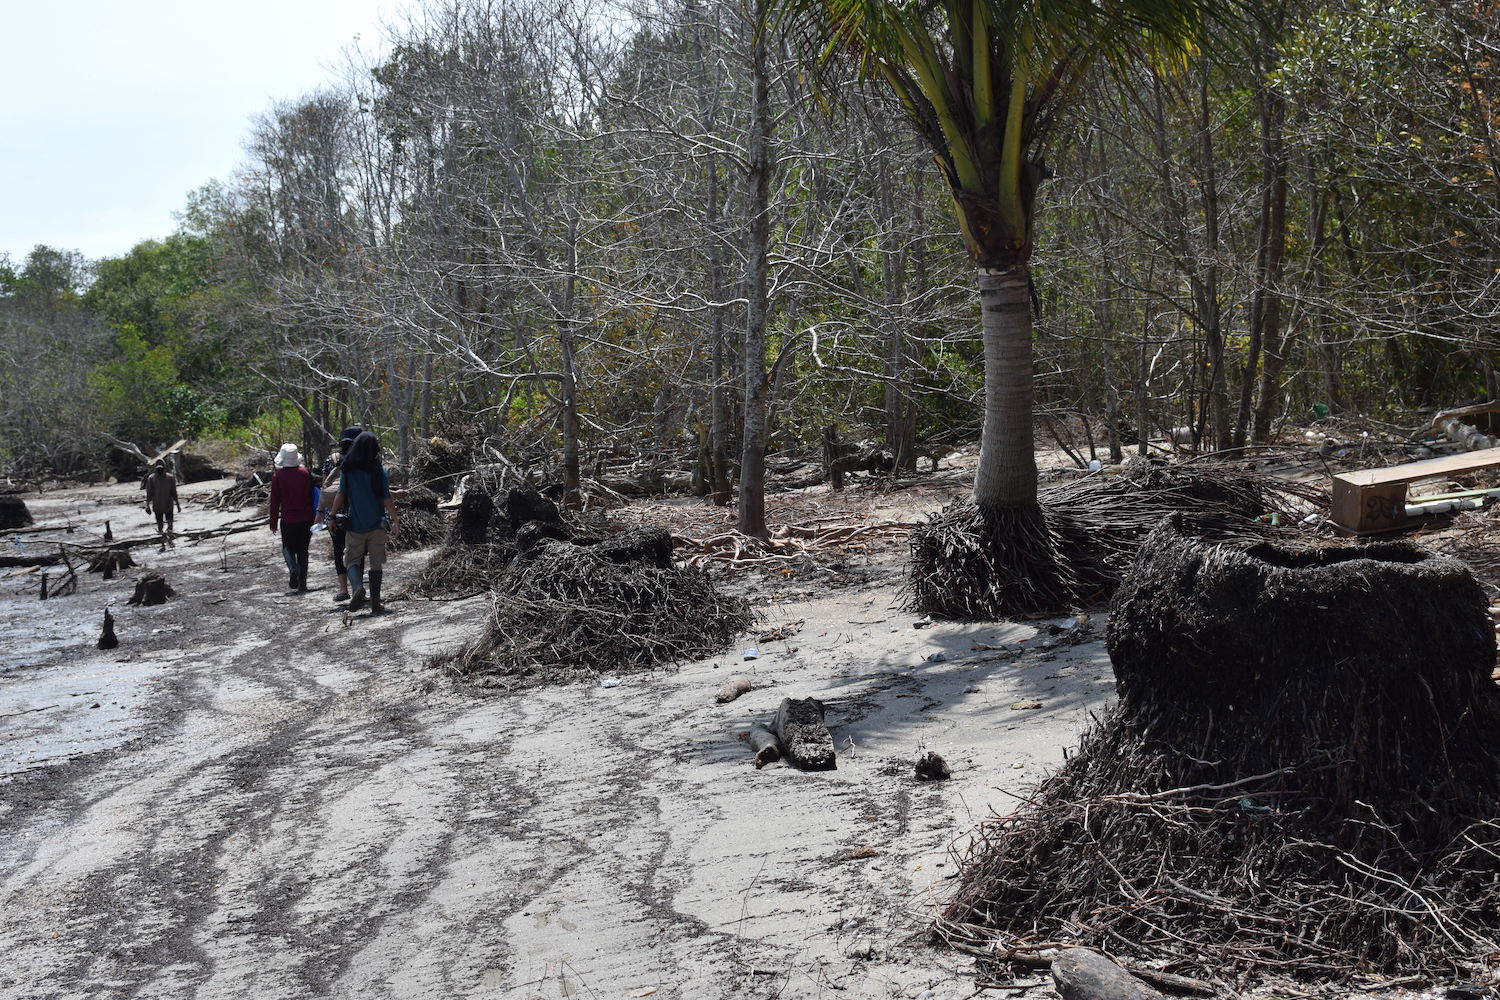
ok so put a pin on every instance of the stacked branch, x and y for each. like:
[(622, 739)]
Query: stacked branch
[(565, 611), (252, 491), (1300, 776)]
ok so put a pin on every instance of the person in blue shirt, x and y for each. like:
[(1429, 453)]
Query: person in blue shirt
[(365, 493), (336, 535)]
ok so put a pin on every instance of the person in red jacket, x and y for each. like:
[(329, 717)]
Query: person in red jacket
[(294, 503)]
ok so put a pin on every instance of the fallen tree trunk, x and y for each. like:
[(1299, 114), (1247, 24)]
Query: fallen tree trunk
[(12, 562)]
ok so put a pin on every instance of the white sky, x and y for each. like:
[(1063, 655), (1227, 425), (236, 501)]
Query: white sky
[(112, 111)]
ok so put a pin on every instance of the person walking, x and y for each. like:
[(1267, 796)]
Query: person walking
[(365, 493), (294, 503), (337, 536), (161, 497)]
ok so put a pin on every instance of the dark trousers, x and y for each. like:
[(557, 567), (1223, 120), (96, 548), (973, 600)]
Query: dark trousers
[(295, 539), (338, 538)]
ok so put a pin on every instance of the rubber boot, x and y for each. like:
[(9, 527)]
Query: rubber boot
[(356, 586), (376, 608), (302, 558)]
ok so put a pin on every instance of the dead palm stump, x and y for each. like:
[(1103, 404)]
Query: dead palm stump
[(1301, 771)]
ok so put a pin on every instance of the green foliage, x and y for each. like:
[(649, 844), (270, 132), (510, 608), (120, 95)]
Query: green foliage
[(264, 432), (140, 396)]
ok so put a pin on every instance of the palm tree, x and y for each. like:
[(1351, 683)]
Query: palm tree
[(982, 81)]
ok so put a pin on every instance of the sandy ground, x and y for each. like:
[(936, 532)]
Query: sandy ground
[(256, 795)]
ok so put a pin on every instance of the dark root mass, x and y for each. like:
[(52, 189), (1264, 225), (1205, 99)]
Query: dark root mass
[(1070, 549), (1299, 778), (421, 523)]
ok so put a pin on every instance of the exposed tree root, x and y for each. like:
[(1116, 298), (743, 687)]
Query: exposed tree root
[(1070, 549), (1300, 777)]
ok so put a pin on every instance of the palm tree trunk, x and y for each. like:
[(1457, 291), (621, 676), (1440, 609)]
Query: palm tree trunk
[(1006, 477), (752, 507)]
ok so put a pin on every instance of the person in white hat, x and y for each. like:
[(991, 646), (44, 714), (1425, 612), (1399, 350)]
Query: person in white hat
[(294, 504)]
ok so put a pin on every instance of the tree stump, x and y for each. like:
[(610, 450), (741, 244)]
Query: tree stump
[(107, 639), (151, 589), (932, 767), (1311, 732), (804, 739), (532, 533), (110, 561), (475, 513), (13, 512)]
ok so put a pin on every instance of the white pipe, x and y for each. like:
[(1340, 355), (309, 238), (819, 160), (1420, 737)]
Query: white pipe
[(1442, 506)]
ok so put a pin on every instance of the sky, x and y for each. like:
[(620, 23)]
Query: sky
[(113, 111)]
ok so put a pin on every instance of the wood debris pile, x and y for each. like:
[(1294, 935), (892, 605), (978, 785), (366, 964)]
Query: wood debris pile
[(564, 611), (252, 491)]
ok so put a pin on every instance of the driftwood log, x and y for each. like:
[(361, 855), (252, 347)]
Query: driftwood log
[(733, 687), (1080, 974), (151, 589), (39, 559), (763, 742), (804, 738)]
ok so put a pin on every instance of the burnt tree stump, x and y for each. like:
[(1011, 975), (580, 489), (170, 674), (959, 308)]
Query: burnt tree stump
[(804, 738), (107, 638), (532, 533), (111, 561), (475, 512), (151, 589), (524, 503)]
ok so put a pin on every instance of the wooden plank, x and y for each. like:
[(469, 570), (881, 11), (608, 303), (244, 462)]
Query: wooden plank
[(169, 451), (1410, 472)]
